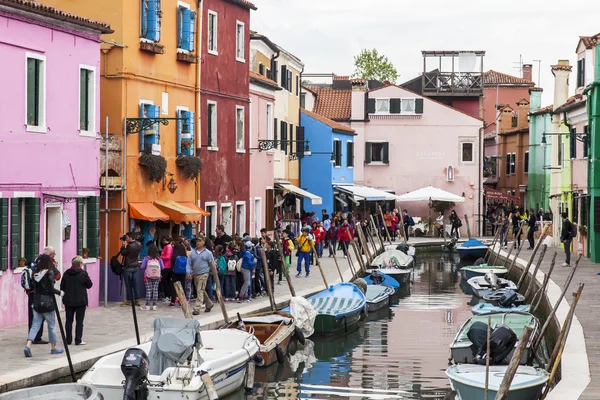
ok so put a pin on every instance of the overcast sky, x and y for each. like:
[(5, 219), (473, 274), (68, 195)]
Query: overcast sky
[(327, 34)]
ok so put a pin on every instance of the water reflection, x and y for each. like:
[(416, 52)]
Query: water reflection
[(396, 353)]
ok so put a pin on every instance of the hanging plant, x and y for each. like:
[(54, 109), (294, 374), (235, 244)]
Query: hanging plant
[(186, 145), (156, 166), (190, 166)]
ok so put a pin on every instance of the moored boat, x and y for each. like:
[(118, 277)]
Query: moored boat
[(378, 297), (497, 296), (401, 275), (472, 271), (487, 308), (469, 381), (472, 249), (480, 287), (71, 391), (376, 277)]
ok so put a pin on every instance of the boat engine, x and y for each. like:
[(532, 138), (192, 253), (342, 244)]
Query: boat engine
[(377, 277), (451, 245), (492, 280), (502, 342), (135, 368), (508, 299)]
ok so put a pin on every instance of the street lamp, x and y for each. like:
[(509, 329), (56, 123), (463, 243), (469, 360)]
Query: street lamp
[(269, 144), (582, 137)]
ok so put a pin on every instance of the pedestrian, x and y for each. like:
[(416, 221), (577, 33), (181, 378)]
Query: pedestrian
[(221, 265), (198, 266), (456, 224), (503, 226), (394, 225), (179, 265), (320, 236), (130, 250), (43, 304), (288, 247), (567, 233), (387, 221), (247, 268), (229, 286), (222, 238), (516, 223), (532, 222), (304, 248), (167, 273), (439, 224), (152, 265), (273, 261), (75, 284), (332, 234), (259, 284), (345, 236)]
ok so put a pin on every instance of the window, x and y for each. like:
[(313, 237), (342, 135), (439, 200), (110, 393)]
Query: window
[(290, 81), (185, 132), (36, 93), (573, 143), (508, 164), (4, 238), (581, 72), (261, 69), (350, 154), (585, 142), (274, 70), (291, 139), (467, 155), (212, 32), (303, 100), (151, 135), (382, 106), (514, 121), (585, 210), (240, 218), (408, 106), (239, 41), (513, 162), (87, 100), (210, 221), (25, 229), (526, 163), (337, 153), (300, 139), (575, 205), (560, 151), (450, 174), (239, 128), (268, 74), (150, 20), (284, 138), (270, 121), (186, 25), (211, 125), (297, 85), (88, 225), (377, 153)]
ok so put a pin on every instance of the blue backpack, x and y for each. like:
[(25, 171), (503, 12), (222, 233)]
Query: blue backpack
[(26, 278), (180, 265)]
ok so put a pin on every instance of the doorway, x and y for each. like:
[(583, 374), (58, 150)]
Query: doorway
[(226, 217), (257, 216), (54, 233)]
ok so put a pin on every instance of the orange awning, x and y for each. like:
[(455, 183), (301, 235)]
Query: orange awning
[(191, 205), (146, 212), (178, 212)]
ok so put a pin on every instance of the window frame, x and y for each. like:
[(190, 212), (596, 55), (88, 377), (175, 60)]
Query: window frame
[(243, 148), (237, 220), (414, 101), (91, 101), (145, 102), (349, 161), (378, 142), (388, 107), (213, 145), (213, 216), (179, 113), (41, 126), (159, 18), (215, 50), (270, 117), (462, 152), (513, 163), (241, 59), (180, 5), (336, 143)]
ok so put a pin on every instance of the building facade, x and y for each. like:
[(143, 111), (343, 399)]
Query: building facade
[(49, 194), (540, 156)]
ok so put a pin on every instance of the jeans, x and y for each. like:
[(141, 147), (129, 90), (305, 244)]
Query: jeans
[(504, 237), (517, 236), (79, 313), (345, 247), (406, 232), (222, 284), (210, 292), (229, 286), (38, 321), (200, 282), (40, 332), (303, 255), (247, 274), (319, 248), (259, 281), (177, 278), (455, 230), (130, 279), (567, 244), (332, 245)]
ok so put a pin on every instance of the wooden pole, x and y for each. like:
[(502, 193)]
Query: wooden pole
[(359, 256), (489, 252), (538, 300), (468, 227), (314, 251), (286, 266), (267, 275), (387, 233), (64, 339), (514, 364), (535, 270), (553, 312), (218, 290), (336, 263), (378, 235), (537, 246), (371, 242), (514, 261), (487, 358), (363, 242), (185, 307), (353, 268)]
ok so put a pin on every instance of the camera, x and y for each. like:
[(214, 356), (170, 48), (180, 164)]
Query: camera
[(123, 238)]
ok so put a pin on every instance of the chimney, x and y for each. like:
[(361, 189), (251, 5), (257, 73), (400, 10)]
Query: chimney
[(359, 89), (505, 122), (535, 96), (527, 72), (561, 73), (522, 111)]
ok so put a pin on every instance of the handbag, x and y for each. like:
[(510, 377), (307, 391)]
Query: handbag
[(43, 303)]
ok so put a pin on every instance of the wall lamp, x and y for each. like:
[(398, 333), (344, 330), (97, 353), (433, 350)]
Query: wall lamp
[(268, 144), (172, 185), (579, 136)]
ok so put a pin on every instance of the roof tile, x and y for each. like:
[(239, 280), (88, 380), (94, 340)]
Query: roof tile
[(328, 122), (258, 77), (543, 110), (495, 78), (572, 102), (334, 104)]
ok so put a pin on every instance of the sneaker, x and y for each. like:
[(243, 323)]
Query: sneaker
[(565, 265), (80, 344), (209, 308), (57, 351), (27, 352), (125, 303), (166, 300), (171, 304), (307, 274), (153, 308), (137, 303), (298, 275), (196, 313), (240, 300), (145, 308), (279, 283)]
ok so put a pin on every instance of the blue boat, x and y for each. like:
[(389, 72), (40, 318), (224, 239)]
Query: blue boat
[(486, 308), (339, 307), (387, 281), (471, 249)]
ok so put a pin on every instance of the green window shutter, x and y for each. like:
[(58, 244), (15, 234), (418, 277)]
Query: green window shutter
[(586, 142), (83, 100), (386, 153), (80, 207), (93, 226), (32, 228), (350, 154), (15, 239), (31, 91), (283, 143), (368, 152), (371, 106), (275, 129), (394, 106), (284, 76), (418, 106), (3, 234)]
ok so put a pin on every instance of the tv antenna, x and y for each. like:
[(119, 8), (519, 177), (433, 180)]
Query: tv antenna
[(539, 82)]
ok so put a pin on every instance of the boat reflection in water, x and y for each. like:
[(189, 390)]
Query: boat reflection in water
[(396, 353)]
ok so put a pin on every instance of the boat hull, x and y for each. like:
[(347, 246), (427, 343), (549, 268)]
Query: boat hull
[(330, 325), (374, 306), (467, 392), (466, 253), (486, 308), (74, 391), (468, 273), (400, 275)]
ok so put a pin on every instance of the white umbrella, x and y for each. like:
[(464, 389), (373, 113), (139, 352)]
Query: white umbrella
[(431, 193)]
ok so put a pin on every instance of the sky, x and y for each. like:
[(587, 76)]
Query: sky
[(327, 34)]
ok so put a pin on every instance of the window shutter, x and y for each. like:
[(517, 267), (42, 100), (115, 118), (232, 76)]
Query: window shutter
[(15, 239), (32, 228), (291, 139), (386, 153), (394, 106), (192, 36), (368, 152), (290, 82), (418, 106), (508, 164), (143, 19), (269, 210), (575, 205), (513, 162), (154, 112), (80, 207), (573, 143), (179, 114), (300, 138), (284, 77), (142, 134), (190, 123), (192, 128), (83, 97), (186, 30), (275, 136), (3, 234), (338, 153), (153, 20), (93, 226), (284, 136), (297, 85), (350, 154), (371, 106), (274, 70), (261, 69)]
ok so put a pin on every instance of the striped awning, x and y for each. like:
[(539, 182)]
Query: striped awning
[(180, 213)]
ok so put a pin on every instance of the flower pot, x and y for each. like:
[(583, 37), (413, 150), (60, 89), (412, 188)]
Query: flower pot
[(84, 253), (21, 263)]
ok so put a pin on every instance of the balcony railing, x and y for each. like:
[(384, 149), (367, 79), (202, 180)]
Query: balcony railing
[(452, 83)]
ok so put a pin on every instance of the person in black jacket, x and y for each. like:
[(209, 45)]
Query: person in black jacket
[(532, 222), (131, 258), (75, 284), (516, 225), (566, 237), (274, 261)]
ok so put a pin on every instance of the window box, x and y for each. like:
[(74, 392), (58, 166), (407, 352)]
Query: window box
[(152, 47), (188, 58)]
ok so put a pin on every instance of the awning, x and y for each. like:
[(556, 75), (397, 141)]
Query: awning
[(178, 212), (146, 212), (344, 203), (191, 205), (315, 200), (366, 193), (496, 195)]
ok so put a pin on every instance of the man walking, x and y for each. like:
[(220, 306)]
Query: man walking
[(566, 237), (130, 250), (304, 250), (198, 265), (222, 238), (532, 222), (75, 284)]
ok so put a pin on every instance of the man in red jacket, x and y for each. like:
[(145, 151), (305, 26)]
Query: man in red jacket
[(345, 235)]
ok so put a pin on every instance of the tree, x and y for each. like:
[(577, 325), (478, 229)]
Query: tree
[(369, 64)]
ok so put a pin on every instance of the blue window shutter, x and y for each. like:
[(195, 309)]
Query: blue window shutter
[(192, 124), (185, 32), (193, 16), (179, 129), (179, 27), (143, 18), (141, 134), (154, 112), (153, 20), (157, 24)]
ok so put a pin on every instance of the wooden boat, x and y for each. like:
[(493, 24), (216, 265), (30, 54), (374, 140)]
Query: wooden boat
[(386, 280), (393, 259), (472, 249), (461, 350), (378, 297), (71, 391), (487, 308), (401, 275), (469, 381), (480, 287), (338, 308), (480, 270), (496, 295), (274, 330)]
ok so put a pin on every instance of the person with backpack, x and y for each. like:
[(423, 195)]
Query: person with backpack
[(288, 247), (179, 263), (345, 236), (407, 221), (167, 273), (75, 285), (567, 233), (230, 275), (130, 250), (456, 223), (43, 304), (221, 265), (152, 265), (247, 267)]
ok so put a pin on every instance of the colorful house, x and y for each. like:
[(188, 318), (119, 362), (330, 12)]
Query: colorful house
[(49, 194), (540, 156)]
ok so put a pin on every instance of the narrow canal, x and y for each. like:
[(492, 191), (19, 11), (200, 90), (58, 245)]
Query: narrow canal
[(398, 353)]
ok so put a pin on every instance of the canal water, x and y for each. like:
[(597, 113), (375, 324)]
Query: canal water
[(398, 353)]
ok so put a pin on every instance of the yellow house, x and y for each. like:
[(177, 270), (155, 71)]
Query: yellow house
[(150, 79)]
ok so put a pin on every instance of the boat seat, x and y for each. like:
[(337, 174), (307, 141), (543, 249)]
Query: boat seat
[(173, 343)]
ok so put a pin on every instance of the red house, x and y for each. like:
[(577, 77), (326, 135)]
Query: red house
[(224, 107)]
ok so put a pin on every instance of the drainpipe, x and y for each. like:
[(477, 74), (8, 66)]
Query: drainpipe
[(299, 124), (480, 187), (199, 15)]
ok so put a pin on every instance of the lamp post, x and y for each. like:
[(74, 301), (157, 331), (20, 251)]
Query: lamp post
[(269, 144)]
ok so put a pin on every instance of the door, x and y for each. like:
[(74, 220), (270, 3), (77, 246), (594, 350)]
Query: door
[(240, 219), (257, 216), (54, 233), (226, 217)]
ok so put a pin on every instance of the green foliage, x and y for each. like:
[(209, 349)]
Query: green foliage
[(442, 206), (369, 64)]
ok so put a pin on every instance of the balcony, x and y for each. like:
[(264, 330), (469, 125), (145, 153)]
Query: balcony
[(452, 83)]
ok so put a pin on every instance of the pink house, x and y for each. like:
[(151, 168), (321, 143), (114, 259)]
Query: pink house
[(49, 148)]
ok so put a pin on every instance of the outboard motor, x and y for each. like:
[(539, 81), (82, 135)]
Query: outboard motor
[(502, 342), (451, 245), (135, 368), (377, 277), (508, 299), (479, 261), (492, 280)]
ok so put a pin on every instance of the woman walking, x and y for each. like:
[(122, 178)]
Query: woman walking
[(456, 223), (333, 237), (345, 236), (167, 273), (179, 265), (503, 226), (516, 223), (152, 267), (75, 284)]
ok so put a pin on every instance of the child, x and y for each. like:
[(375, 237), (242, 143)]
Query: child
[(221, 267), (230, 275), (152, 267)]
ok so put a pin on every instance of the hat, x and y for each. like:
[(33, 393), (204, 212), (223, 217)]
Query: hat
[(249, 244), (247, 238)]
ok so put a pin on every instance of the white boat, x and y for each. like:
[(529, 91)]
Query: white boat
[(480, 287), (469, 381), (64, 391), (378, 297), (393, 259), (170, 366)]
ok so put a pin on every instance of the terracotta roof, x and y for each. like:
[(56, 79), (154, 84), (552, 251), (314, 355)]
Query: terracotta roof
[(334, 104), (358, 81), (543, 110), (495, 78), (588, 41), (260, 79), (515, 131), (341, 78), (314, 90), (244, 3), (571, 103), (536, 89), (44, 10), (332, 124)]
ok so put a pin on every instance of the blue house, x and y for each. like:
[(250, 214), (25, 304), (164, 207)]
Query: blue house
[(331, 162)]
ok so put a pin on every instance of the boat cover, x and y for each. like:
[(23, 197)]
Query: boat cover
[(387, 280), (376, 293), (268, 319), (335, 305), (392, 259), (472, 243), (173, 342), (304, 315)]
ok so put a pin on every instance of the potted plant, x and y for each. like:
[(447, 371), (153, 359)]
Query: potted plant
[(155, 165), (22, 262), (84, 253), (190, 166), (186, 145)]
